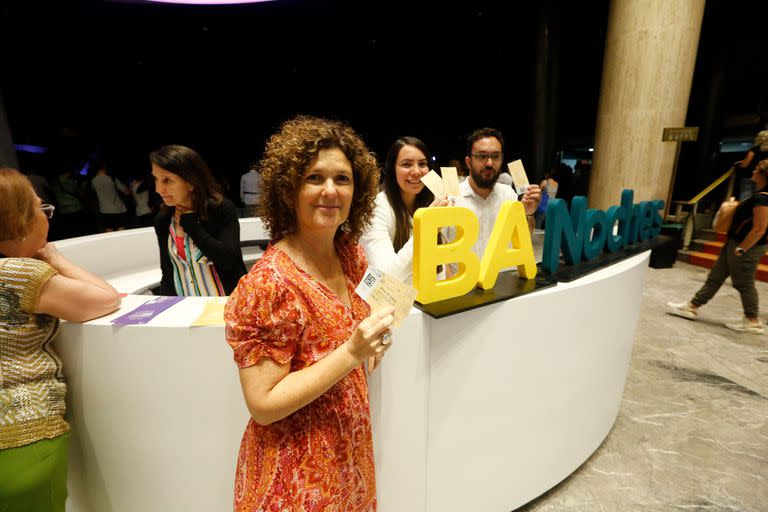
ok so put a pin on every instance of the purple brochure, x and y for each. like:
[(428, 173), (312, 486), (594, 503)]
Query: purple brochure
[(147, 311)]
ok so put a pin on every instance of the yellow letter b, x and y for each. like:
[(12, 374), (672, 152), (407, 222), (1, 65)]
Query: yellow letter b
[(427, 254)]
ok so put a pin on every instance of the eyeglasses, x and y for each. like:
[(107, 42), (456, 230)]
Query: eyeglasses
[(47, 209), (482, 157)]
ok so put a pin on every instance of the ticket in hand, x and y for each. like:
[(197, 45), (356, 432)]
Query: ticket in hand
[(381, 290), (517, 171), (434, 183), (450, 180)]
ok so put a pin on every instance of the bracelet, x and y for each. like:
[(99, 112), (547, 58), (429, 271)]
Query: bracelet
[(740, 251)]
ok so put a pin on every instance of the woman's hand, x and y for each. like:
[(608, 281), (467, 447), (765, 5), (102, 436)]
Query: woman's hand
[(439, 201), (73, 294), (187, 219), (49, 254), (368, 338), (373, 363), (179, 210)]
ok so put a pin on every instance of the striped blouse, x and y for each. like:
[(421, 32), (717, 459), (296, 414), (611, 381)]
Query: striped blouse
[(194, 275)]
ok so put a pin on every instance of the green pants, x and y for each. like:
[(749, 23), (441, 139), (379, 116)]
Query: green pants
[(33, 478), (742, 270)]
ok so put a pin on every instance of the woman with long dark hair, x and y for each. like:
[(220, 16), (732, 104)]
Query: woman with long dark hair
[(388, 242), (197, 228)]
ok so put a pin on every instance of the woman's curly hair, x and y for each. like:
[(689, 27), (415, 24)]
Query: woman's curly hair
[(289, 153)]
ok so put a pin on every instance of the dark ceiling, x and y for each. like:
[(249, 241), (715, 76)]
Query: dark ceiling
[(120, 79)]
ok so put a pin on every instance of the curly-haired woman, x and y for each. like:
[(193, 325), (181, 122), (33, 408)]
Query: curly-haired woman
[(300, 333)]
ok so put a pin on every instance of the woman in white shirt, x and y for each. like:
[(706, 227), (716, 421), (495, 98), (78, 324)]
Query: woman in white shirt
[(388, 242)]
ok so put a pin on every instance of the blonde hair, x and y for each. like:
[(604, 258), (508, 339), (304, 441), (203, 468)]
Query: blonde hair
[(761, 139), (17, 204)]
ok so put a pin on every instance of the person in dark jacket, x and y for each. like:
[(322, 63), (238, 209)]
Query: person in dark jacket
[(198, 233)]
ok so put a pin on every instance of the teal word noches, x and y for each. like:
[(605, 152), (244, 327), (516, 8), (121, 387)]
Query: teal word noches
[(583, 234)]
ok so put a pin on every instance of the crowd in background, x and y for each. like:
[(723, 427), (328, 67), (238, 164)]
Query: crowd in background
[(93, 196), (90, 199)]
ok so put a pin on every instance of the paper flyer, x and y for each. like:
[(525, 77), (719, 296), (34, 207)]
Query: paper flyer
[(213, 312), (147, 311)]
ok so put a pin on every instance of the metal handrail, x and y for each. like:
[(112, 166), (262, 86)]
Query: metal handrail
[(690, 223)]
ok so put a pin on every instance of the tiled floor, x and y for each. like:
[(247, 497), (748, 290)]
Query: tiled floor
[(692, 433)]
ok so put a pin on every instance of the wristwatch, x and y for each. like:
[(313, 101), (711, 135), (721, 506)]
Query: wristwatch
[(739, 251)]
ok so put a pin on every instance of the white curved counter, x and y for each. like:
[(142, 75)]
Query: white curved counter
[(483, 410)]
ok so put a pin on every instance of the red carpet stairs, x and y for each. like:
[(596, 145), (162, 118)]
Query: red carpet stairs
[(705, 249)]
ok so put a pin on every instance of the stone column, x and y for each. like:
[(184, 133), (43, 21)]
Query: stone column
[(650, 53)]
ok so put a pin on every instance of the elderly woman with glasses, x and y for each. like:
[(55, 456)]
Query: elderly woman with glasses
[(300, 332), (38, 286)]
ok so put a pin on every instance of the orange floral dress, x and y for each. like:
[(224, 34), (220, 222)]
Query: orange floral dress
[(319, 458)]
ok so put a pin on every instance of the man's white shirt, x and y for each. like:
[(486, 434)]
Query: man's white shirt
[(486, 210)]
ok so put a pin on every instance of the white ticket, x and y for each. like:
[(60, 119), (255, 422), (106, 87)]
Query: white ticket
[(381, 290), (517, 171), (434, 182), (450, 180)]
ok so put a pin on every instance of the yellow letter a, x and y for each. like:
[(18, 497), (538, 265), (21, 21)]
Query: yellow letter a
[(427, 254), (511, 225)]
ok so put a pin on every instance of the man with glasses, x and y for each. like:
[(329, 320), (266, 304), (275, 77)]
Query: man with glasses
[(481, 193)]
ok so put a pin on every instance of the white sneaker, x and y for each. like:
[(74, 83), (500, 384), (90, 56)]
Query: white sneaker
[(682, 309), (745, 325)]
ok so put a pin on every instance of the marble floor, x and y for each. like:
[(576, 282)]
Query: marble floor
[(692, 433)]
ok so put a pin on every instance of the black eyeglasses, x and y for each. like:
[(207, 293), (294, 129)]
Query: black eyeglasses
[(482, 157), (47, 209)]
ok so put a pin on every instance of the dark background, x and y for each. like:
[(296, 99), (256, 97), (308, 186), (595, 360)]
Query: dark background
[(116, 80)]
